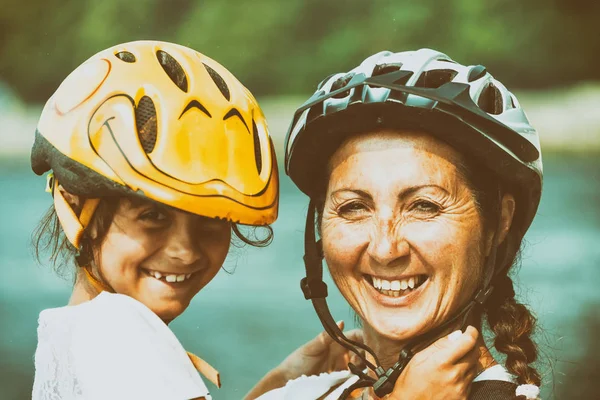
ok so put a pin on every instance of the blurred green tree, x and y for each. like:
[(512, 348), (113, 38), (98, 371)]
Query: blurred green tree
[(278, 47)]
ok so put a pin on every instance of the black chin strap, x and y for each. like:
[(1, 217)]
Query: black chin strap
[(315, 289)]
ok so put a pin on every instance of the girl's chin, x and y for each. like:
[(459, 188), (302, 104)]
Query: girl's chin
[(168, 314)]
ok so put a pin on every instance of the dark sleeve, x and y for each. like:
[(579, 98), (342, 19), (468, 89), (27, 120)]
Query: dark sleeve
[(492, 390)]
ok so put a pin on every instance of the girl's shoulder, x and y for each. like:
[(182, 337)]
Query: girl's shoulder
[(116, 339)]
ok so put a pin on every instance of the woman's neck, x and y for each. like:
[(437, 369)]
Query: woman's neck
[(388, 350)]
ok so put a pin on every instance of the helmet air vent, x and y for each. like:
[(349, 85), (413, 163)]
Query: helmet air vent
[(476, 72), (382, 69), (435, 78), (490, 100), (173, 69), (125, 56), (340, 83), (219, 81), (145, 121)]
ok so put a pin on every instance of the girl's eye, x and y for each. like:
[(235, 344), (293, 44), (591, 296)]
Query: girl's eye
[(153, 216), (425, 207)]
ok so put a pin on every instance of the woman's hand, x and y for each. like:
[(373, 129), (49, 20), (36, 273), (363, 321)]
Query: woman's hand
[(444, 370), (321, 354)]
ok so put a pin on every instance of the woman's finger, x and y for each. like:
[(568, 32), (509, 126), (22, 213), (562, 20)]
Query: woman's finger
[(451, 348)]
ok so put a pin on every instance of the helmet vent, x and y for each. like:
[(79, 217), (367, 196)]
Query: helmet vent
[(340, 83), (125, 56), (173, 69), (382, 69), (257, 152), (490, 100), (219, 81), (145, 121), (324, 81), (435, 78)]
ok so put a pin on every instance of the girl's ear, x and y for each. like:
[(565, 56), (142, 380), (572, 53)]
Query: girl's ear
[(74, 201)]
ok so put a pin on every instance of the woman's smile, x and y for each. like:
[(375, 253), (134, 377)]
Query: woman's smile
[(396, 291)]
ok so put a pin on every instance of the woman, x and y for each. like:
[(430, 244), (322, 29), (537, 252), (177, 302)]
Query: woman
[(157, 154), (425, 175)]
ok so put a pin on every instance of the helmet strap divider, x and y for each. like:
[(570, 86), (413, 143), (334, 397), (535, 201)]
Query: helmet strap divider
[(315, 289), (72, 225)]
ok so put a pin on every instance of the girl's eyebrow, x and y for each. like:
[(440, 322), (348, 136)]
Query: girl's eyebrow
[(138, 202)]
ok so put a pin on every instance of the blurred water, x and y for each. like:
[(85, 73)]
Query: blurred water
[(247, 322)]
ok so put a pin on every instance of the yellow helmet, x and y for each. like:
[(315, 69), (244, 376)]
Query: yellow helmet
[(164, 121)]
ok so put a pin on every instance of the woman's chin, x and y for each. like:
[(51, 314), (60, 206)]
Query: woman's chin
[(396, 328)]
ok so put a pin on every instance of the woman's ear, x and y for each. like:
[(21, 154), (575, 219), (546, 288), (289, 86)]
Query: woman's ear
[(506, 219)]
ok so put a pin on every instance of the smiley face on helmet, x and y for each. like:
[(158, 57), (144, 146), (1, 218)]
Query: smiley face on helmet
[(164, 121)]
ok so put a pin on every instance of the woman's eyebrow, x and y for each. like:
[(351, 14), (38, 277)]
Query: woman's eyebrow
[(412, 189), (358, 192)]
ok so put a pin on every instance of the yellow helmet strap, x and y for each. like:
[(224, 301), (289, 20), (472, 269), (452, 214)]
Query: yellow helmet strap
[(72, 225), (97, 284)]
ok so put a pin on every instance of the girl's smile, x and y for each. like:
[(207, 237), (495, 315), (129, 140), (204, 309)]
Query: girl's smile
[(159, 255)]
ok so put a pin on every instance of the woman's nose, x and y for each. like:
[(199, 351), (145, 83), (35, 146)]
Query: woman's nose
[(182, 244), (387, 246)]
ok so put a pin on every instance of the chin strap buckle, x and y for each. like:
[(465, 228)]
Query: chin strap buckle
[(385, 383), (483, 295)]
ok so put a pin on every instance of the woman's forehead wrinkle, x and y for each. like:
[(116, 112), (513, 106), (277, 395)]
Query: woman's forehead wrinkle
[(374, 163)]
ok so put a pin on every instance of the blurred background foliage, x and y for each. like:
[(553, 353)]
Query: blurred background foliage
[(285, 47)]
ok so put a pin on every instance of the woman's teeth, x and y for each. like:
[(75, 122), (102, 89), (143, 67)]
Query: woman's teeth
[(397, 288), (169, 277)]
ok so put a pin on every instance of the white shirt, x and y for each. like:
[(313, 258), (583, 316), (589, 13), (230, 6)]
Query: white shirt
[(111, 347), (313, 387)]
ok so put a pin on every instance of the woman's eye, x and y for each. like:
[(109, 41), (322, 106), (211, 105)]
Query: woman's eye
[(425, 207), (354, 207)]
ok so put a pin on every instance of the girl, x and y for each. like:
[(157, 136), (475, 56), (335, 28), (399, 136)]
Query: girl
[(157, 153)]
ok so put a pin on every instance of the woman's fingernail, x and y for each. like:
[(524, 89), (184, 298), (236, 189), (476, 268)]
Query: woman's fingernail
[(454, 335)]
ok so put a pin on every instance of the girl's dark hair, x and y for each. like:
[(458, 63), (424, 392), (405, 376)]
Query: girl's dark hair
[(510, 322), (49, 239)]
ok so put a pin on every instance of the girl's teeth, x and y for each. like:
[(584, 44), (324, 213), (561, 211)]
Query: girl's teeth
[(171, 277), (411, 283)]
